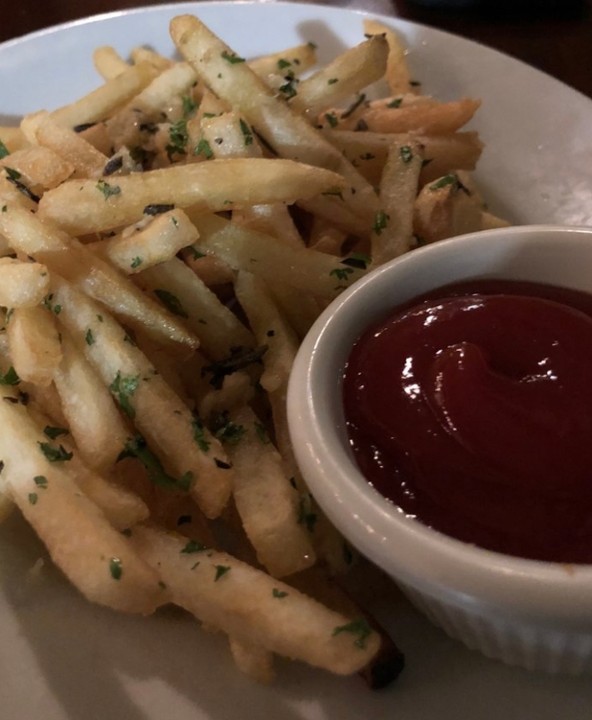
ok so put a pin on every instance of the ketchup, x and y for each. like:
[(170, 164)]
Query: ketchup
[(471, 409)]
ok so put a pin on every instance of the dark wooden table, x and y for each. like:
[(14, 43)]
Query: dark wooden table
[(553, 35)]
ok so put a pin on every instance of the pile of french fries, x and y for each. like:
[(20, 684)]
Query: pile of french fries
[(166, 241)]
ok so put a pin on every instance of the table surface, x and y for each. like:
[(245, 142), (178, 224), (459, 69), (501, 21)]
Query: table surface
[(552, 35)]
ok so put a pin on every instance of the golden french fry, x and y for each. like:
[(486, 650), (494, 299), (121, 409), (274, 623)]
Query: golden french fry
[(310, 271), (348, 74), (28, 234), (96, 558), (22, 284), (86, 206), (195, 459), (72, 147), (254, 607), (397, 71), (143, 247), (92, 417), (100, 103), (287, 132), (446, 208), (40, 167), (393, 228), (178, 287), (253, 660), (34, 344), (280, 538), (108, 62)]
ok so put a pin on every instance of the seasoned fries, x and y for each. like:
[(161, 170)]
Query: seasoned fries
[(166, 241)]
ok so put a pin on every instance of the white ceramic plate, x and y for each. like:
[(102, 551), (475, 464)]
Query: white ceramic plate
[(63, 659)]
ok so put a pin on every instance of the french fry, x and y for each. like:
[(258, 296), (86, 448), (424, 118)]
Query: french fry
[(101, 102), (195, 460), (83, 157), (125, 126), (92, 554), (22, 284), (253, 660), (280, 539), (393, 229), (26, 233), (288, 133), (397, 71), (270, 329), (143, 247), (88, 206), (179, 287), (446, 208), (254, 607), (349, 73), (308, 270), (108, 62), (40, 167), (92, 417), (292, 62), (34, 344), (121, 507)]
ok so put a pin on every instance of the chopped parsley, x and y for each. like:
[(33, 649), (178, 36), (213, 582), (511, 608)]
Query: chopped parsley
[(450, 180), (221, 570), (288, 89), (54, 432), (89, 337), (231, 58), (204, 148), (136, 262), (137, 447), (10, 377), (342, 273), (178, 137), (33, 497), (331, 118), (360, 261), (40, 481), (359, 628), (226, 430), (107, 189), (171, 302), (4, 151), (396, 103), (406, 154), (53, 454), (332, 81), (115, 568), (123, 387), (246, 131), (189, 106), (14, 177), (278, 593), (193, 546), (282, 64), (380, 222), (199, 434)]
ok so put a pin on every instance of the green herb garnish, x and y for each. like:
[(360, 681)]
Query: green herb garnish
[(123, 387), (107, 189), (359, 628), (53, 454), (171, 302)]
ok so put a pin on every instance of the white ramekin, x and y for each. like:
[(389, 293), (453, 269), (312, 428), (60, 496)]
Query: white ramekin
[(529, 613)]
